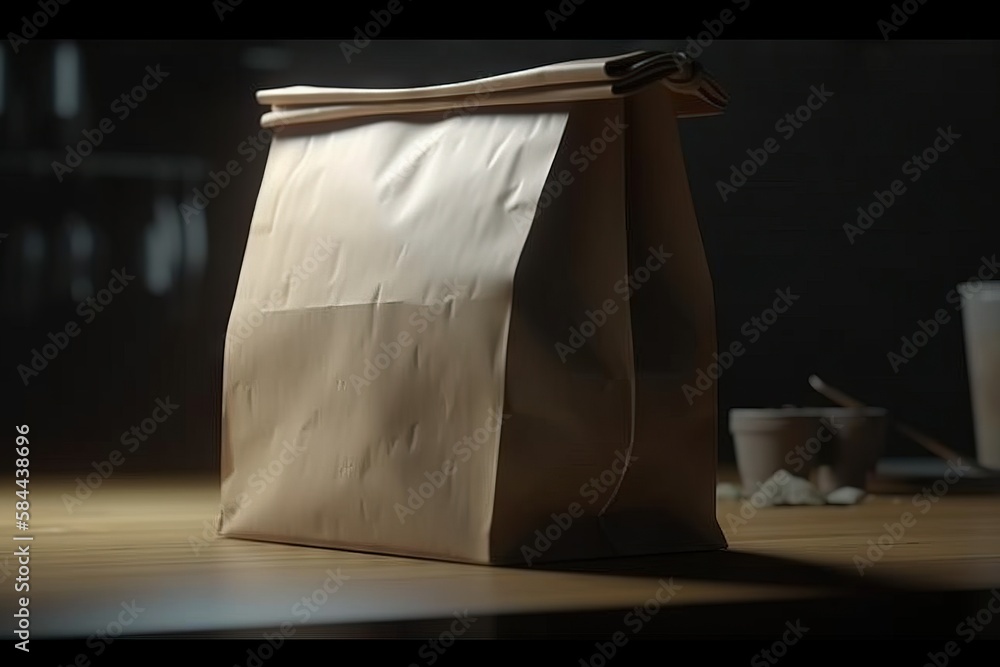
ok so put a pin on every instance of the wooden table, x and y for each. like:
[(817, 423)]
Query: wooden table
[(151, 542)]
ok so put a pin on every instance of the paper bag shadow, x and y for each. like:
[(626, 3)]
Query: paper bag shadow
[(637, 533)]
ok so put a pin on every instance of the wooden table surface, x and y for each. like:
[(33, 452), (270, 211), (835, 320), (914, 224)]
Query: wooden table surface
[(150, 543)]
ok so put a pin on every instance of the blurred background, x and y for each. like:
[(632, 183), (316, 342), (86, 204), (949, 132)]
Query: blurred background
[(189, 110)]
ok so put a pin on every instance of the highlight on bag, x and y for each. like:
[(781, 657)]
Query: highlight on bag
[(465, 315)]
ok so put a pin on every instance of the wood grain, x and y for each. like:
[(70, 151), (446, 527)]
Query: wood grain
[(151, 541)]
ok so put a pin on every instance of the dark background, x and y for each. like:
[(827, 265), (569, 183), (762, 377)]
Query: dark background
[(163, 335)]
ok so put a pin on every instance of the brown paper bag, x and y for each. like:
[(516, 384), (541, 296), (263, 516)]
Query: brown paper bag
[(465, 317)]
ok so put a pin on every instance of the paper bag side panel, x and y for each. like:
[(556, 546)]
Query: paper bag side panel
[(673, 320), (256, 262), (568, 390), (364, 376)]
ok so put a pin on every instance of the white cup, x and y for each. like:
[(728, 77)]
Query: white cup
[(981, 320)]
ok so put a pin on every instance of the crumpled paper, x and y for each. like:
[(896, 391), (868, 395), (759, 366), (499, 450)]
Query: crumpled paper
[(788, 489)]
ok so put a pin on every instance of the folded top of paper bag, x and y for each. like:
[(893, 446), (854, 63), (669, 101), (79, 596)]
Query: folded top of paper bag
[(696, 93)]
